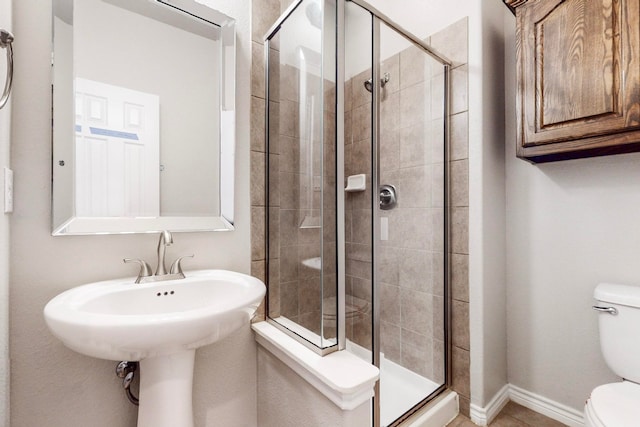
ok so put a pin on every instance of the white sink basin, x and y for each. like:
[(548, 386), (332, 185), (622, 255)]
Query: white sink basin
[(159, 324), (120, 320)]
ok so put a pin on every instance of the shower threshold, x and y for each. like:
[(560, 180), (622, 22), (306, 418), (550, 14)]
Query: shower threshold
[(400, 388)]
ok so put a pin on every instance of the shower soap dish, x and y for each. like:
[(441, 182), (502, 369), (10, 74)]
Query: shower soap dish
[(356, 183)]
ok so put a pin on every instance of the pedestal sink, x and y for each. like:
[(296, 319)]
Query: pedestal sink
[(160, 324)]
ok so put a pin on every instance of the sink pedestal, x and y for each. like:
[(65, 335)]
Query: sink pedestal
[(166, 390)]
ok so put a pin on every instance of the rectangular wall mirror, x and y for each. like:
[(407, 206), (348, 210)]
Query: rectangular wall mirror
[(143, 117)]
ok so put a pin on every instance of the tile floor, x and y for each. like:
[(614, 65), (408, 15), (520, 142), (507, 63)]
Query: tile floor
[(513, 415)]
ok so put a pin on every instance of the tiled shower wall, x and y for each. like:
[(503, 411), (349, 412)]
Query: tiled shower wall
[(452, 43)]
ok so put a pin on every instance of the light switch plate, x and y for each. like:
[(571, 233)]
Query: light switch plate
[(8, 190)]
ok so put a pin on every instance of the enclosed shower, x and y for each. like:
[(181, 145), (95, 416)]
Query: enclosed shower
[(357, 195)]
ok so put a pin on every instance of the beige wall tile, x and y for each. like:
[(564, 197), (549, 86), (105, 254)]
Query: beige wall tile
[(289, 222), (413, 146), (437, 185), (289, 299), (361, 288), (452, 42), (360, 269), (415, 105), (358, 251), (459, 136), (390, 304), (274, 291), (259, 269), (274, 180), (389, 149), (438, 361), (417, 309), (361, 227), (360, 160), (257, 124), (309, 295), (437, 140), (263, 14), (274, 127), (414, 187), (406, 229), (289, 190), (412, 66), (288, 263), (361, 124), (257, 70), (415, 270), (436, 220), (274, 237), (460, 277), (437, 273), (465, 406), (390, 111), (289, 87), (390, 341), (388, 266), (417, 353), (459, 89), (460, 324), (290, 155), (460, 230), (289, 119), (460, 183), (257, 233), (258, 161), (275, 77), (461, 373), (438, 318)]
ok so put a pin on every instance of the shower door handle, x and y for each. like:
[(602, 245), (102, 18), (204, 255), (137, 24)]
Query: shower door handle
[(6, 38)]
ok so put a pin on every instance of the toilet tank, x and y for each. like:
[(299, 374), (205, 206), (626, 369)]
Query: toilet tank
[(620, 333)]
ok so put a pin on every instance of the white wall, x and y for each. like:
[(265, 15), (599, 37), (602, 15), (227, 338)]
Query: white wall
[(570, 225), (5, 133), (487, 288), (53, 386)]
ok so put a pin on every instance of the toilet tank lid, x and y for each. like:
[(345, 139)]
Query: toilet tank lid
[(618, 294)]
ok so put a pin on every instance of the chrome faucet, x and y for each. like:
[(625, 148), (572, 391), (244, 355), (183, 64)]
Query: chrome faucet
[(145, 275), (166, 239)]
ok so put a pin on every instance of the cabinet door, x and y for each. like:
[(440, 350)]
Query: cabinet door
[(578, 75)]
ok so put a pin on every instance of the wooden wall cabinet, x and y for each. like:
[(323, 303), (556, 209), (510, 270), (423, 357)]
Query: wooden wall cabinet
[(578, 76)]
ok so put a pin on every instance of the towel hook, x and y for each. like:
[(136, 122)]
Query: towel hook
[(6, 38)]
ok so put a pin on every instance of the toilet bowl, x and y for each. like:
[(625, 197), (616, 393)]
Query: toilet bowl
[(614, 405), (617, 404)]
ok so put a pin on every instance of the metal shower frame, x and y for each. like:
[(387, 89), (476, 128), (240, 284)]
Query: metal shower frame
[(377, 18)]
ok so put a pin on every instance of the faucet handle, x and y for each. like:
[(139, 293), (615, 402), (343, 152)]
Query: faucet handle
[(145, 269), (176, 268)]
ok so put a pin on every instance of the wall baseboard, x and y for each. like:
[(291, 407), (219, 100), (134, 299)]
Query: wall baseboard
[(557, 411), (482, 416)]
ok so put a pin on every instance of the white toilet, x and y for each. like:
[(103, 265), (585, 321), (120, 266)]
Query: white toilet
[(617, 404)]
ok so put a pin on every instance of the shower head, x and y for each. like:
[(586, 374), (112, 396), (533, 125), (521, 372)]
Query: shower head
[(314, 14), (383, 81)]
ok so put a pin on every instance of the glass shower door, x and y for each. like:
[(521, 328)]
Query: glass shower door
[(410, 243), (395, 249), (301, 191)]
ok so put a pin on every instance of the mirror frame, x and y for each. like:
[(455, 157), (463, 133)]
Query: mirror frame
[(76, 225)]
